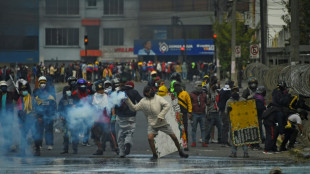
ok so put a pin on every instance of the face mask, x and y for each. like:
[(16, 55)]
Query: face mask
[(73, 83), (82, 87), (235, 96), (24, 93), (253, 86), (156, 84), (68, 93), (4, 89), (108, 90), (42, 86)]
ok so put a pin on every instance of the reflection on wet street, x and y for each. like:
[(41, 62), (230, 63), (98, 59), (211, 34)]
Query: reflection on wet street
[(142, 164)]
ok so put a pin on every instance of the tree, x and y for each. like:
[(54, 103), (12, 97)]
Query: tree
[(244, 36), (304, 22)]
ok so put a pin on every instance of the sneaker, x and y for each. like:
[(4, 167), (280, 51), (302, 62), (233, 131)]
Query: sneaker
[(256, 148), (127, 148), (233, 155), (204, 145), (183, 155), (246, 155), (267, 152), (49, 147), (283, 149), (154, 157), (225, 145), (85, 144), (64, 152), (193, 144), (98, 152), (214, 141)]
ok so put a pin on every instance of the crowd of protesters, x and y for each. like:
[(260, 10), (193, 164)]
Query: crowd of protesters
[(138, 70), (99, 84)]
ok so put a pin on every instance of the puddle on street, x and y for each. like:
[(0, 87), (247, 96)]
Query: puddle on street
[(142, 164)]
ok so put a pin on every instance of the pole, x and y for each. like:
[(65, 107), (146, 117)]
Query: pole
[(263, 20), (233, 75), (217, 53), (294, 53), (184, 37)]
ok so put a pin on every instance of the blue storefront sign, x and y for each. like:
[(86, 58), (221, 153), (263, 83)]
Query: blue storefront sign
[(173, 47)]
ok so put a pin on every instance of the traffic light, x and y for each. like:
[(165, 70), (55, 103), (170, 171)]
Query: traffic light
[(85, 40), (214, 36), (182, 49)]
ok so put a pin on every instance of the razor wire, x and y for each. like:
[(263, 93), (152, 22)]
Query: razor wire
[(297, 77)]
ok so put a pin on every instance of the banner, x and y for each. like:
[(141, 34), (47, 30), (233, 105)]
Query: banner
[(173, 47), (244, 123)]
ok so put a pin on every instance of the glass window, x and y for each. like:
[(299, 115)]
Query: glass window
[(113, 36), (158, 5), (62, 36), (92, 3), (62, 7), (113, 7), (175, 5)]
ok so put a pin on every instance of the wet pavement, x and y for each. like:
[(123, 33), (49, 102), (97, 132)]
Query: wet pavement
[(212, 159), (142, 164)]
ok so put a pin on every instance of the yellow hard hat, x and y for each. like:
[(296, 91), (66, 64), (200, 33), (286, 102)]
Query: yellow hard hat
[(153, 72), (205, 77), (162, 91)]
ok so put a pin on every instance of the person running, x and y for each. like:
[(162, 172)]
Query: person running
[(155, 108)]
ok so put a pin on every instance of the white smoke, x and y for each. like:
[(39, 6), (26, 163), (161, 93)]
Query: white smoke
[(87, 113)]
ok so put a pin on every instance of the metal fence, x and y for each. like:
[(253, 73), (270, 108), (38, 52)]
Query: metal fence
[(297, 77)]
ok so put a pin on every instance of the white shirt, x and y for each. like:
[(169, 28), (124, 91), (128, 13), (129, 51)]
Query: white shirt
[(295, 118)]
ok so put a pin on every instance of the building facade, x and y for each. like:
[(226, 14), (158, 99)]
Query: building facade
[(19, 31), (110, 26)]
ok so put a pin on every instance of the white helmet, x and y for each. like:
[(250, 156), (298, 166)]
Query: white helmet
[(3, 83), (42, 78)]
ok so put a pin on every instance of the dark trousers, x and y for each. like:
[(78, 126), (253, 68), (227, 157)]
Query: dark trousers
[(271, 137), (225, 128), (74, 135), (185, 123), (214, 119), (290, 134), (26, 125)]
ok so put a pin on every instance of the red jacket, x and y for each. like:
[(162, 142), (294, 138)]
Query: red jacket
[(199, 109)]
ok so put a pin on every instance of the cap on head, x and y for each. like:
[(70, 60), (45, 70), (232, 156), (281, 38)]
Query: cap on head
[(3, 83), (42, 79), (198, 83), (130, 84), (162, 91), (153, 73)]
